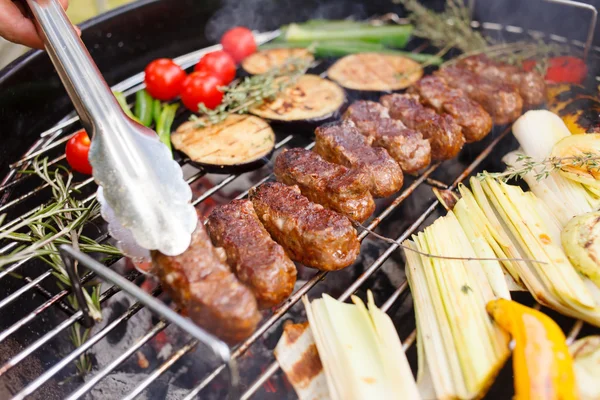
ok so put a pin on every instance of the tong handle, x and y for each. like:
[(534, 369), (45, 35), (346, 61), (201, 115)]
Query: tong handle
[(86, 87)]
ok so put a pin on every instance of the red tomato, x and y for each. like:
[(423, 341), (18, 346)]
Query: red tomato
[(239, 43), (163, 79), (201, 87), (564, 69), (77, 151), (219, 64)]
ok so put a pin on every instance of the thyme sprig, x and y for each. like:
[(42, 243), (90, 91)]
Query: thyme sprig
[(589, 162), (61, 221), (252, 91)]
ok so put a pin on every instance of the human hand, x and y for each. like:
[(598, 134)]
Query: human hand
[(16, 27)]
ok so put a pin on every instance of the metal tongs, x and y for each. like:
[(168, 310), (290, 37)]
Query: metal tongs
[(141, 186)]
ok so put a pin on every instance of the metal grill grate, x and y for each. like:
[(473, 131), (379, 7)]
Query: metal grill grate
[(57, 136)]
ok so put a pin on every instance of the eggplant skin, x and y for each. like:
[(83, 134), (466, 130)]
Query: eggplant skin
[(311, 98), (238, 144), (576, 106)]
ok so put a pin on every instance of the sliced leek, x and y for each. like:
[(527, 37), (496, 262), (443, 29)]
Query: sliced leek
[(460, 350), (360, 350)]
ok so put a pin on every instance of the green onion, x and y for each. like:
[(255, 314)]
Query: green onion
[(389, 35), (165, 120), (156, 110), (143, 107)]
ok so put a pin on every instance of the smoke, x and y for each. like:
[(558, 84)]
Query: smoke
[(266, 15)]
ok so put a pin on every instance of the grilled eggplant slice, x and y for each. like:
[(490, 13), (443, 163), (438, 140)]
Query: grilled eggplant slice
[(378, 72), (264, 60), (311, 98), (237, 144)]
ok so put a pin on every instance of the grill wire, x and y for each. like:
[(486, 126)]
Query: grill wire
[(56, 137)]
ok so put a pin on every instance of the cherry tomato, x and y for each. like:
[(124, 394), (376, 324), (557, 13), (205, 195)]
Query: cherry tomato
[(239, 43), (219, 64), (201, 87), (77, 151), (163, 79), (563, 69)]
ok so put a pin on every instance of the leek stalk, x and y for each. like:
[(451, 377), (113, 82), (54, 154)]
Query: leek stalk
[(389, 35)]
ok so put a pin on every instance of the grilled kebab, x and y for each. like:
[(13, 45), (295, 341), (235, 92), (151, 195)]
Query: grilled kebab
[(310, 234), (475, 122), (406, 146), (333, 186), (444, 134), (530, 85), (204, 287), (254, 257), (342, 143), (500, 100)]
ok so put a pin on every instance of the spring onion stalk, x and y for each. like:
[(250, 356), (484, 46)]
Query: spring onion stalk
[(460, 350), (586, 362), (555, 283), (360, 350), (538, 132), (389, 35)]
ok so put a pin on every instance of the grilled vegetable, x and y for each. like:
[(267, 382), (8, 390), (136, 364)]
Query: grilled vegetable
[(538, 132), (375, 71), (581, 241), (143, 107), (562, 69), (460, 351), (77, 150), (360, 350), (164, 123), (390, 35), (163, 78), (298, 357), (238, 42), (219, 64), (239, 143), (578, 108), (542, 364), (310, 98), (264, 60), (340, 48), (581, 159), (586, 362)]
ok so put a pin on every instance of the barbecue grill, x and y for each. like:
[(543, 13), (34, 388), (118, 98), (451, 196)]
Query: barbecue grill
[(144, 348)]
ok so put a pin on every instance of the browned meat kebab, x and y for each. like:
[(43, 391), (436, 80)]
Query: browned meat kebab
[(204, 287), (311, 234), (333, 186), (475, 122), (342, 143), (530, 85), (406, 146), (254, 257), (443, 132), (501, 101)]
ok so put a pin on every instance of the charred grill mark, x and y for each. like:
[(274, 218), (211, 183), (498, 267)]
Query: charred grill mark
[(306, 368)]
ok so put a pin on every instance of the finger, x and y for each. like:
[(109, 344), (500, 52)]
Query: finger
[(15, 27)]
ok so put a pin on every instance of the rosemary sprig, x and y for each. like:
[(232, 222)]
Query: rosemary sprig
[(61, 221), (542, 169), (252, 91)]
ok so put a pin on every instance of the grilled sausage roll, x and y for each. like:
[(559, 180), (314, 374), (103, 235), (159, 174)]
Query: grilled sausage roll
[(530, 85), (333, 186), (202, 284), (343, 144), (254, 257), (501, 101), (309, 233), (475, 122), (444, 134), (406, 146)]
